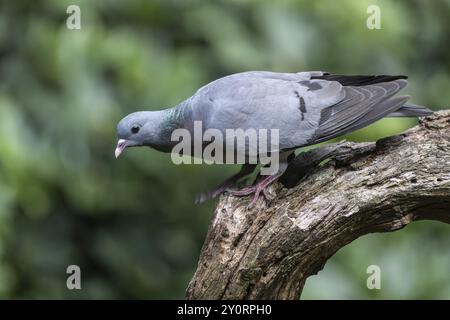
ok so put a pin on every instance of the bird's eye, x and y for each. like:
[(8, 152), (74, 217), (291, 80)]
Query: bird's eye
[(135, 129)]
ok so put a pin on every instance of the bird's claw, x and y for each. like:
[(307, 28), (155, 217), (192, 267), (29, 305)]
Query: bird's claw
[(255, 190)]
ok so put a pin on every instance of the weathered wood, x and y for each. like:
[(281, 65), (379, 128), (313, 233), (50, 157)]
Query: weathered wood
[(269, 251)]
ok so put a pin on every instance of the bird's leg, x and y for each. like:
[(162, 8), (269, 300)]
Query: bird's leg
[(246, 169), (259, 187)]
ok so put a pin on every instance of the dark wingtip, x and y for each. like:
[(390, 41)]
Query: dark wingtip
[(359, 80)]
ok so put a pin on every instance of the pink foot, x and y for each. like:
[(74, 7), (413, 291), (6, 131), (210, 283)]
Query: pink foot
[(257, 189)]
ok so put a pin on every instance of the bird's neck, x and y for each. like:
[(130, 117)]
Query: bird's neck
[(171, 119)]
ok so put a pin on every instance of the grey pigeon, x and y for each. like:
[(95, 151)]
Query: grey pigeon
[(305, 107)]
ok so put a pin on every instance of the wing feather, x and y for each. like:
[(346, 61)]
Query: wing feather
[(307, 107), (351, 113)]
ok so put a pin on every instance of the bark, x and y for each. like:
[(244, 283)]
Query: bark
[(331, 196)]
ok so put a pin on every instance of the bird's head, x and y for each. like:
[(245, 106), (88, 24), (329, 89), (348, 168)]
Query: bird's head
[(137, 129)]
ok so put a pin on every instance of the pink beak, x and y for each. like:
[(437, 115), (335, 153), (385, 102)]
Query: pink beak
[(121, 145)]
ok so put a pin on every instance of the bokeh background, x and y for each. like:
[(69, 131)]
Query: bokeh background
[(131, 224)]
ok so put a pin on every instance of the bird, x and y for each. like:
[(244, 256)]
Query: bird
[(305, 108)]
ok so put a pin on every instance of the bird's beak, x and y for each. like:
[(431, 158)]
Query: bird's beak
[(121, 145)]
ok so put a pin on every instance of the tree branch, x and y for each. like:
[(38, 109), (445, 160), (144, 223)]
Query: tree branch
[(269, 251)]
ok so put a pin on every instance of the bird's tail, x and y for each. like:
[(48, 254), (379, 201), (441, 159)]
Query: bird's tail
[(411, 110)]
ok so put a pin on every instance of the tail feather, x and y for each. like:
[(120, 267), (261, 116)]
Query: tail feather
[(411, 110)]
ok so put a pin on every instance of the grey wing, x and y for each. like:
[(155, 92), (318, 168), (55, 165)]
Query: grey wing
[(269, 101), (361, 106), (305, 107)]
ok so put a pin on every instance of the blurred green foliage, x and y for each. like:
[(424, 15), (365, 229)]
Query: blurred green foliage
[(131, 224)]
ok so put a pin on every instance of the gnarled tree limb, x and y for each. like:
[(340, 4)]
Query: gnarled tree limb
[(269, 251)]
